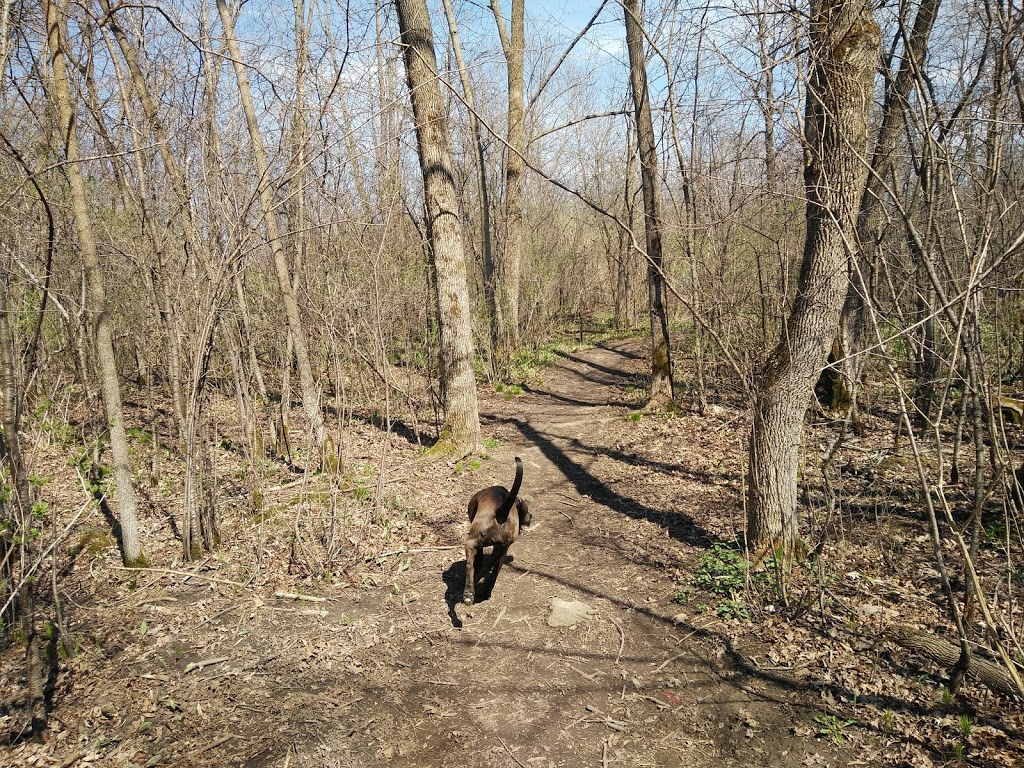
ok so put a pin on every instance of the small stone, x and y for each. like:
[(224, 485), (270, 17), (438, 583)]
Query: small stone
[(568, 613)]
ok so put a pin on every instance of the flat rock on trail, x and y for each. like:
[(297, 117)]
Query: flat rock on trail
[(626, 686)]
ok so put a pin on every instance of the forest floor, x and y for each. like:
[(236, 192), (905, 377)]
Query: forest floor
[(245, 659)]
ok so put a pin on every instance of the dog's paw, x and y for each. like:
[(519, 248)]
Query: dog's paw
[(463, 612)]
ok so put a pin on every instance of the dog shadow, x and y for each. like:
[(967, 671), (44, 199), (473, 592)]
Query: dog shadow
[(455, 582)]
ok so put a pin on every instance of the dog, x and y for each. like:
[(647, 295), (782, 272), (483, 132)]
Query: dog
[(496, 516)]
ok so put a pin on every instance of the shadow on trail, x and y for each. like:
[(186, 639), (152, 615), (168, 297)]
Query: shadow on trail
[(664, 467), (679, 525), (549, 395), (740, 671), (623, 352), (616, 374), (455, 581)]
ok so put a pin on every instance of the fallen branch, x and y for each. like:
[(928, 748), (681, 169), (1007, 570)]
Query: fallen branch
[(415, 551), (510, 753), (991, 675), (622, 639), (196, 665), (213, 744), (296, 596), (73, 759), (184, 574)]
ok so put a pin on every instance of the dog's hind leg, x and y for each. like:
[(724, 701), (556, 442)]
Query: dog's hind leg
[(497, 560)]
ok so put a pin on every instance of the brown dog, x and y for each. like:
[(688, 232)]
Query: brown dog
[(492, 523)]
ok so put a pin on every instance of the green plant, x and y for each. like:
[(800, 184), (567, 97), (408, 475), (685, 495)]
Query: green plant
[(888, 721), (723, 571), (832, 727), (39, 482), (959, 752), (635, 415), (947, 698), (491, 444), (964, 723), (733, 609), (995, 530), (513, 390), (362, 493), (682, 596)]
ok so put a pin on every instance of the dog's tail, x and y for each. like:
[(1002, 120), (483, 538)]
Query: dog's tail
[(510, 500)]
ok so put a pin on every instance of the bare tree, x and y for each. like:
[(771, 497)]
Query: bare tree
[(509, 264), (481, 174), (661, 362), (461, 428), (843, 50), (110, 386), (323, 445), (842, 386)]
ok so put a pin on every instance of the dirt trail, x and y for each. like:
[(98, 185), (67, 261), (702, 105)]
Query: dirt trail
[(627, 687), (218, 664), (253, 658)]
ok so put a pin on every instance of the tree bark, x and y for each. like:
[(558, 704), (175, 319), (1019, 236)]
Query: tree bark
[(481, 170), (321, 444), (852, 329), (661, 363), (843, 50), (509, 266), (110, 386), (460, 430)]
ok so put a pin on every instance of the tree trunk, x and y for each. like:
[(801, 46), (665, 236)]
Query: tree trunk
[(509, 265), (481, 170), (661, 362), (843, 49), (110, 386), (321, 444), (852, 329), (16, 514), (461, 428)]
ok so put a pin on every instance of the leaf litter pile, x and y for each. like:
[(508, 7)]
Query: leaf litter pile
[(325, 631)]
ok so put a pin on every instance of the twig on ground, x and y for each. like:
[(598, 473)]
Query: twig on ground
[(183, 574), (218, 614), (260, 663), (196, 665), (581, 672), (296, 596), (518, 762), (668, 661), (622, 639), (73, 759), (214, 744), (416, 551)]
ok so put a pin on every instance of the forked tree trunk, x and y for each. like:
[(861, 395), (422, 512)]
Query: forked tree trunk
[(661, 362), (870, 224), (110, 386), (322, 445), (508, 267), (843, 50), (460, 430)]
